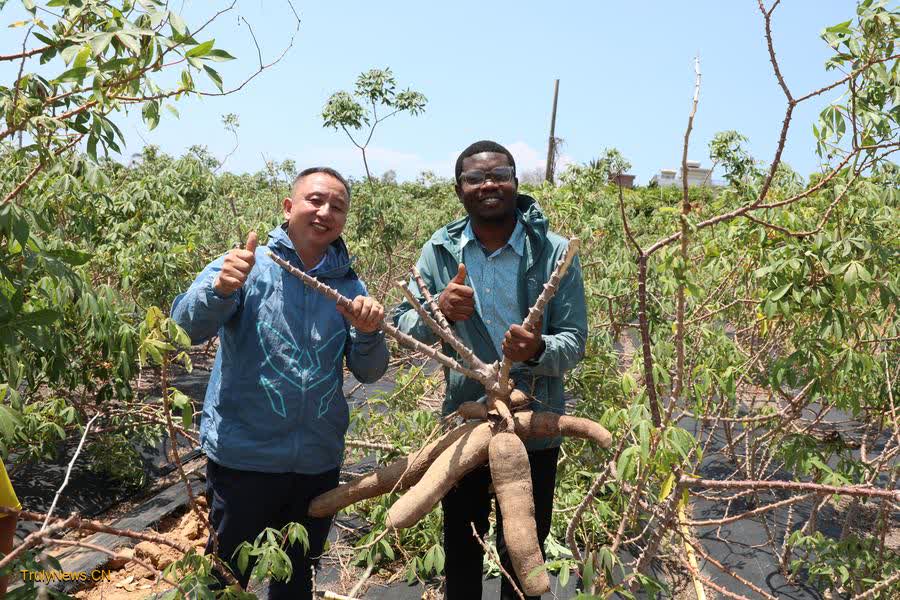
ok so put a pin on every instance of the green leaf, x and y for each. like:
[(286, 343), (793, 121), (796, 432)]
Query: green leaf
[(389, 552), (644, 437), (851, 274), (100, 42), (187, 415), (438, 559), (587, 579), (843, 28), (9, 421), (82, 57), (150, 112), (214, 75), (74, 75), (200, 49), (218, 55), (129, 42), (69, 52), (177, 23), (780, 292), (154, 353), (187, 81), (429, 560), (627, 384), (92, 145), (243, 558), (625, 466), (20, 230), (73, 258)]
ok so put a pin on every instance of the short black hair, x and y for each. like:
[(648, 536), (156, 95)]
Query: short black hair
[(327, 171), (478, 148)]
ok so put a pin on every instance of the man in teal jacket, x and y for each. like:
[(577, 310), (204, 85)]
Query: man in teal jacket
[(487, 269), (275, 416)]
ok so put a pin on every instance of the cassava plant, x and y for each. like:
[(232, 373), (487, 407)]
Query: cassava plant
[(494, 435)]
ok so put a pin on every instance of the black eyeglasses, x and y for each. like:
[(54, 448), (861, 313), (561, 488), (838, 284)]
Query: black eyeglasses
[(497, 175)]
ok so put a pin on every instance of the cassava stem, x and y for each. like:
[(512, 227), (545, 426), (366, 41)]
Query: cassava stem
[(429, 299), (535, 312), (390, 330), (485, 373)]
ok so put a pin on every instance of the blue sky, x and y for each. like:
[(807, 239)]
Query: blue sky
[(487, 68)]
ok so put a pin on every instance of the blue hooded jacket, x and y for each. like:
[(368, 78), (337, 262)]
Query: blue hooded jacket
[(275, 399)]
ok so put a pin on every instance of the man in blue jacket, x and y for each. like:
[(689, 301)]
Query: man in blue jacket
[(488, 269), (275, 416)]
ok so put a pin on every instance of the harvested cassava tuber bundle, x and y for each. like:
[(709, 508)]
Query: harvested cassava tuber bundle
[(546, 424), (473, 410), (511, 474), (518, 399), (496, 438), (470, 450), (399, 475)]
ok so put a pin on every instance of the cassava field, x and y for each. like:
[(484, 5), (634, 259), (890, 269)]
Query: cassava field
[(742, 347)]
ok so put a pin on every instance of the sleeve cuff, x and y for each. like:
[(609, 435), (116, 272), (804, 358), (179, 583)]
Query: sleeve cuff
[(366, 341), (536, 360), (213, 294)]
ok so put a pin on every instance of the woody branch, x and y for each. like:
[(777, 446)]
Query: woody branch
[(535, 312), (390, 330)]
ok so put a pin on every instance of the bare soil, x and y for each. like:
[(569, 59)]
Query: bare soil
[(132, 580)]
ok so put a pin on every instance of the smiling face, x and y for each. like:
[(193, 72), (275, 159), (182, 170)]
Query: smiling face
[(490, 202), (316, 213)]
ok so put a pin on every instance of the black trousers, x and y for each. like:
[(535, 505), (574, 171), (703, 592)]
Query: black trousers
[(243, 503), (470, 502)]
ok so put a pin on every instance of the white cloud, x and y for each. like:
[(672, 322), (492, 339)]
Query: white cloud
[(528, 159), (409, 165)]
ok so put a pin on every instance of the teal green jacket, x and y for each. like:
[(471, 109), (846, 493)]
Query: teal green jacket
[(565, 318)]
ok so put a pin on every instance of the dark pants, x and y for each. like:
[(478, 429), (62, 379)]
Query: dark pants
[(470, 502), (243, 503)]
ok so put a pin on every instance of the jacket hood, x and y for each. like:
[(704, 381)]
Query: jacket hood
[(337, 258), (528, 211)]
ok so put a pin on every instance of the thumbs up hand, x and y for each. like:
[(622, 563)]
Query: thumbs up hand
[(236, 268), (457, 301)]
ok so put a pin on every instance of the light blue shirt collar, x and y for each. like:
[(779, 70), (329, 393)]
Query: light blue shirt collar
[(516, 241)]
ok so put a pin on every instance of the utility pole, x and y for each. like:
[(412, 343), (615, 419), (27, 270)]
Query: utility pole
[(551, 143)]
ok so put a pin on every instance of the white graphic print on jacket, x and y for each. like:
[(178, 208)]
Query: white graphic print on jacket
[(307, 371)]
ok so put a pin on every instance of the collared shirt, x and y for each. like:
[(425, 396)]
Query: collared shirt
[(494, 276)]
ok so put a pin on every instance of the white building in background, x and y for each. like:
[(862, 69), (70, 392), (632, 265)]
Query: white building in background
[(696, 175)]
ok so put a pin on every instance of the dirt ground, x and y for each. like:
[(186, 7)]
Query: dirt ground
[(131, 580)]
